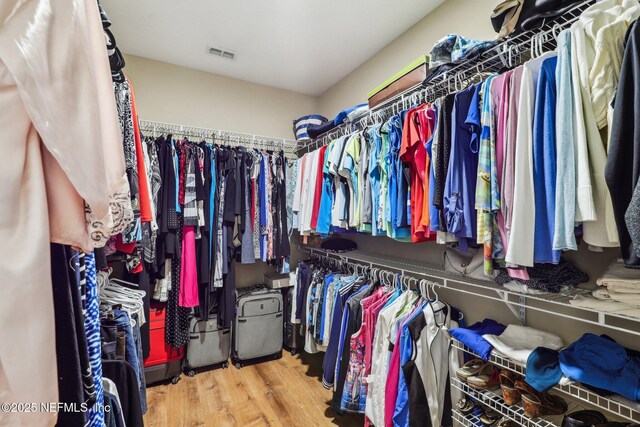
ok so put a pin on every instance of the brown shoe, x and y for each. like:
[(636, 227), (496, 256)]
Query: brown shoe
[(538, 404), (486, 378), (508, 380)]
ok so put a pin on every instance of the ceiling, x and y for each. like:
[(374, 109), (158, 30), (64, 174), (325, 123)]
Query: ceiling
[(301, 45)]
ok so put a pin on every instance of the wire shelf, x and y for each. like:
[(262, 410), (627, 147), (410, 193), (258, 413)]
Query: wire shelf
[(630, 411), (223, 137), (466, 420), (507, 53), (555, 304), (495, 401)]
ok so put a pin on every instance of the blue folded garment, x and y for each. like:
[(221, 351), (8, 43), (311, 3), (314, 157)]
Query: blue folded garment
[(314, 131), (342, 115), (472, 336), (543, 369), (601, 362)]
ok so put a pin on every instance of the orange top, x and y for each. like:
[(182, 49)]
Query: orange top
[(413, 152), (143, 183)]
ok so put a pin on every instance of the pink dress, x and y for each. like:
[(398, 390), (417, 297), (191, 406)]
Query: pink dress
[(188, 296)]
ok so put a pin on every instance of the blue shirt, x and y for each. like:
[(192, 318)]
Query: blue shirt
[(544, 163), (326, 198), (375, 142), (401, 411), (328, 280), (460, 184)]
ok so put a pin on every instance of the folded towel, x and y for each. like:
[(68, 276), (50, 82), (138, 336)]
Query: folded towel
[(517, 342), (617, 274), (625, 298)]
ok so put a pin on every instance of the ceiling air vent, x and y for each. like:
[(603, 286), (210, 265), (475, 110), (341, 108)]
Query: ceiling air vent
[(222, 53)]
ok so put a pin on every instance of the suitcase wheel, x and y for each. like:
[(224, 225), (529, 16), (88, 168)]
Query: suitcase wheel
[(277, 356), (175, 380), (191, 373), (225, 365), (238, 365), (294, 352)]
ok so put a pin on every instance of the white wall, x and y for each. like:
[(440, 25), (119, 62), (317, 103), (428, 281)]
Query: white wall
[(169, 93), (469, 18)]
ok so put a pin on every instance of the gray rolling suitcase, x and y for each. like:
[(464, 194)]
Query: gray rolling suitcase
[(257, 329), (208, 344)]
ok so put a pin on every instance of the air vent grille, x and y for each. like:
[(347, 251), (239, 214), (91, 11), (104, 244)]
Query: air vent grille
[(222, 53)]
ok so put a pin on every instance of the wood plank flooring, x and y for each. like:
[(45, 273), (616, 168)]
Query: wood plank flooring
[(286, 392)]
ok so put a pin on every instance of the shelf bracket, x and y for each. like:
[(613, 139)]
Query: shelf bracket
[(519, 310)]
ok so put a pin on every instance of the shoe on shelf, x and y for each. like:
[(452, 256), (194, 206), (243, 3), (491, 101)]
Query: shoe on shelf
[(585, 418), (489, 416), (508, 380), (538, 404), (465, 406), (468, 369), (487, 378), (507, 422)]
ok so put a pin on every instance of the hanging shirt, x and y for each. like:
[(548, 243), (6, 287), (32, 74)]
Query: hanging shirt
[(544, 163), (487, 197), (622, 172), (340, 187), (459, 195), (524, 212), (348, 171), (326, 197), (317, 198), (375, 142), (427, 123), (441, 166), (596, 55), (413, 152), (565, 199), (509, 168)]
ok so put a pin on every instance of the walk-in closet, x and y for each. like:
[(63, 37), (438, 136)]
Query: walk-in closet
[(290, 213)]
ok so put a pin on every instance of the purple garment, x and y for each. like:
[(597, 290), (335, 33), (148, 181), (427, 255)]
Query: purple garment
[(460, 185), (544, 163)]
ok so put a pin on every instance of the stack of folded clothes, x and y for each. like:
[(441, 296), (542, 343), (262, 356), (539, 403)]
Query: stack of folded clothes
[(618, 291)]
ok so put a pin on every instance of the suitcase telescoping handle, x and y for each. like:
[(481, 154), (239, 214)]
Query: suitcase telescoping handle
[(241, 320)]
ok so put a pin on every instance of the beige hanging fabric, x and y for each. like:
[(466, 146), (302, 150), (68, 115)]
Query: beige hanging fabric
[(60, 132)]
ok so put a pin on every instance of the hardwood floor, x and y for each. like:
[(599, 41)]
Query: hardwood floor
[(285, 392)]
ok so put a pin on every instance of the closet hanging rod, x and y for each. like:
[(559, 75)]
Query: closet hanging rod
[(508, 53), (553, 304), (218, 135)]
